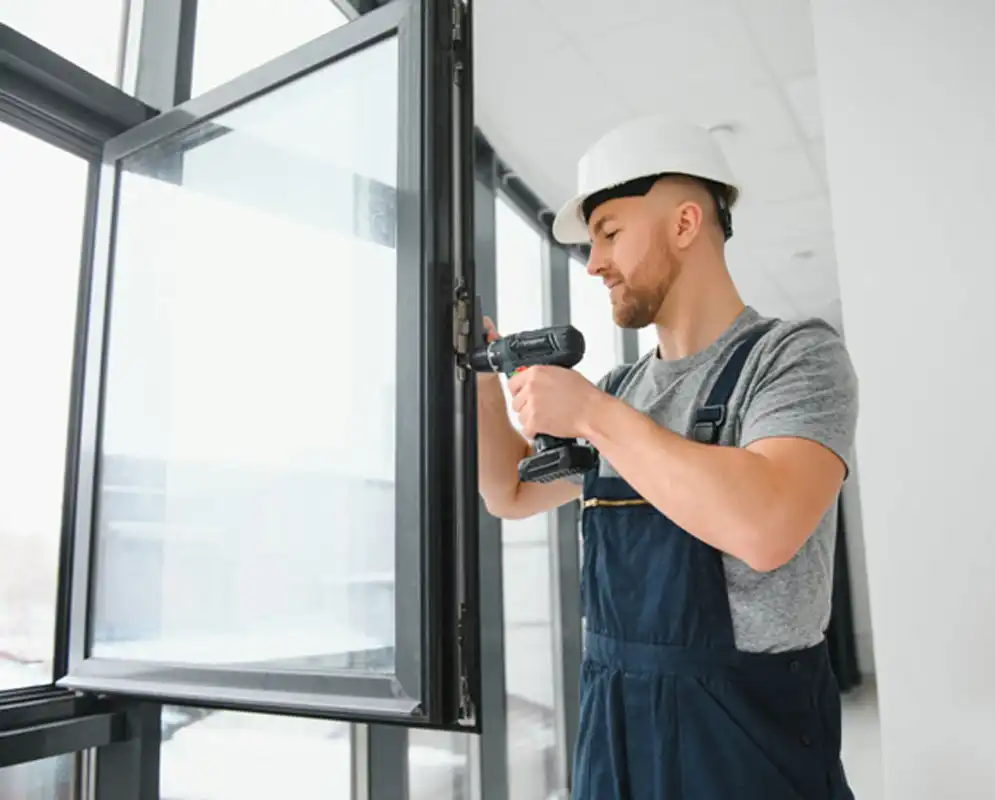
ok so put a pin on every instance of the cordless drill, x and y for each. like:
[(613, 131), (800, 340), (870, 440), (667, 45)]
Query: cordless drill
[(560, 346)]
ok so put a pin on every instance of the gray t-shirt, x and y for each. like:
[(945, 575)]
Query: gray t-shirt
[(798, 381)]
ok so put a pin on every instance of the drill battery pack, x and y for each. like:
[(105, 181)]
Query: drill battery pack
[(555, 459)]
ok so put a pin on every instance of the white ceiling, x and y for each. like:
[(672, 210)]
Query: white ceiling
[(553, 75)]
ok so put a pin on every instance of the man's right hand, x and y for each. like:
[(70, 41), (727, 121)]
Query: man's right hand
[(501, 447)]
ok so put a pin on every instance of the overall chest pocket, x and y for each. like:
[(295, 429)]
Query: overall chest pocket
[(646, 579)]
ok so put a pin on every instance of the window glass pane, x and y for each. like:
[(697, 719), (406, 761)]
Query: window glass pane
[(43, 194), (591, 314), (438, 765), (246, 509), (234, 36), (519, 270), (88, 33), (219, 755), (528, 633), (47, 779)]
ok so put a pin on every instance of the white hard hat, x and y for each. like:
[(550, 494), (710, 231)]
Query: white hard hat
[(642, 148)]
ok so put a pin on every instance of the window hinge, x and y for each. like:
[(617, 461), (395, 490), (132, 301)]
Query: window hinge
[(461, 329), (459, 40), (467, 709)]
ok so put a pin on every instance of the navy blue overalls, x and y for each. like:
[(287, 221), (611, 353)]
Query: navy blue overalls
[(670, 709)]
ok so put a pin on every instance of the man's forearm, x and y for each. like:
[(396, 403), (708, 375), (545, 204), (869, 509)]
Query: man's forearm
[(728, 497), (499, 446)]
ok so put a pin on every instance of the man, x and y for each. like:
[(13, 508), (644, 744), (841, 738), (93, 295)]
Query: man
[(709, 524)]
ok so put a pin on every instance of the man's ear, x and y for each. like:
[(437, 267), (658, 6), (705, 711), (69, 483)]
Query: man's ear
[(688, 219)]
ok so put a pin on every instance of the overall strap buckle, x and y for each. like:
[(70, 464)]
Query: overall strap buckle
[(708, 421)]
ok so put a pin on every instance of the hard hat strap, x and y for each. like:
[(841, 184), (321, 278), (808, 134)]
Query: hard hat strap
[(640, 187)]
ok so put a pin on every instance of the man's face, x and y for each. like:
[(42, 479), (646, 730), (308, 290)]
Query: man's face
[(631, 253)]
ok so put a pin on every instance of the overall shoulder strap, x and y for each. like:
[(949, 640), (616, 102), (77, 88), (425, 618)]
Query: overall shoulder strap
[(616, 378), (709, 418)]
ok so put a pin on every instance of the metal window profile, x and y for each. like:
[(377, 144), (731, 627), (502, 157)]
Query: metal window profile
[(55, 723), (521, 196), (627, 345), (161, 66), (51, 98), (59, 738), (434, 682), (28, 707), (129, 769), (452, 570), (380, 762)]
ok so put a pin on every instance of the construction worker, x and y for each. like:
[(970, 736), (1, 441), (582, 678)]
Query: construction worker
[(709, 524)]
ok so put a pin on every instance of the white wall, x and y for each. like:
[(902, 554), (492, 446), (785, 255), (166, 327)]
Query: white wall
[(908, 96)]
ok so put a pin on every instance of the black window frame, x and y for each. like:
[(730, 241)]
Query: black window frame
[(436, 676)]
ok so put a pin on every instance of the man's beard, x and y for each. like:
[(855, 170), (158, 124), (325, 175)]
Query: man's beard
[(639, 306)]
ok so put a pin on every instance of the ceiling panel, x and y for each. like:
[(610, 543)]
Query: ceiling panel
[(587, 21), (803, 95), (697, 50), (532, 98), (782, 30), (507, 27), (502, 31), (817, 150), (775, 176), (758, 113)]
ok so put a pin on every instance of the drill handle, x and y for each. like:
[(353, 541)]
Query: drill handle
[(543, 442)]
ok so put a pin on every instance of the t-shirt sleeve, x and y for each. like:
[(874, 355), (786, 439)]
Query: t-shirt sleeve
[(807, 388)]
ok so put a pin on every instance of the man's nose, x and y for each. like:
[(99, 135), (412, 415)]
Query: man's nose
[(595, 264)]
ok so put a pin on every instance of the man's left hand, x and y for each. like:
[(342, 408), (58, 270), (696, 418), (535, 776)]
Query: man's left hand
[(553, 400)]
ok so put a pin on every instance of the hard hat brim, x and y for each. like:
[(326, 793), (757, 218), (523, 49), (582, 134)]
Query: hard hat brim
[(568, 225)]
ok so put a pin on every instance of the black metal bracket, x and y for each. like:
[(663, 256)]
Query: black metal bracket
[(42, 727)]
